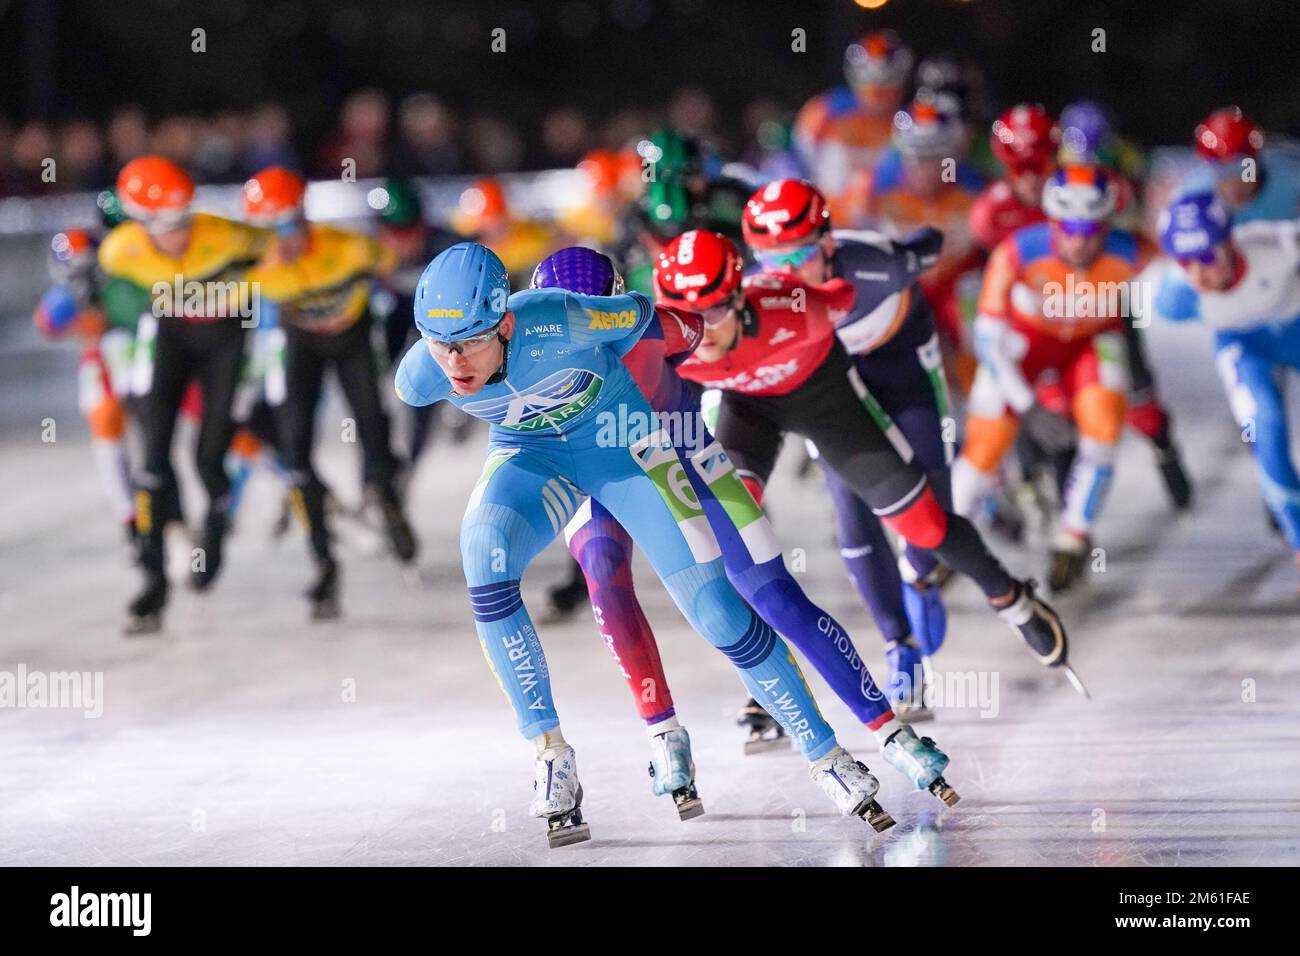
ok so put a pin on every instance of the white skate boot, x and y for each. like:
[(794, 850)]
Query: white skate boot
[(673, 771), (850, 784), (557, 796)]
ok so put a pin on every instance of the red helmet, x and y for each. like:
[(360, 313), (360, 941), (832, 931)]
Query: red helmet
[(698, 270), (151, 186), (785, 212), (273, 195), (1227, 133), (1025, 136)]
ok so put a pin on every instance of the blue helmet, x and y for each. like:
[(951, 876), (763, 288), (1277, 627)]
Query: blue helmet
[(1193, 225), (462, 292), (578, 269)]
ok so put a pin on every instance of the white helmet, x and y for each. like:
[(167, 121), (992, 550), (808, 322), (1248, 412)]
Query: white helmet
[(1082, 193)]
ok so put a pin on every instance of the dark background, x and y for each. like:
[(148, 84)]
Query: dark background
[(1167, 63)]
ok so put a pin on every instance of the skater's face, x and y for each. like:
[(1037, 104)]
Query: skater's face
[(1027, 183), (469, 369), (172, 241), (721, 328), (1214, 275), (1233, 187), (1078, 248)]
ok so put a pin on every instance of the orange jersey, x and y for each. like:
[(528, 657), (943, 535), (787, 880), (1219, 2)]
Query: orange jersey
[(837, 138), (1026, 284)]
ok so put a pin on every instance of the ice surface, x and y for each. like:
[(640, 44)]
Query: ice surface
[(232, 739)]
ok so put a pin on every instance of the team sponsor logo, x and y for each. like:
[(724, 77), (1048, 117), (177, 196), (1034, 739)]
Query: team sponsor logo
[(545, 330), (763, 377), (611, 320), (782, 335), (446, 313), (552, 402)]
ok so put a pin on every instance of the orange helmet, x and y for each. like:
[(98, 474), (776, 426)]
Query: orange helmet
[(150, 187), (483, 202), (273, 196), (601, 170)]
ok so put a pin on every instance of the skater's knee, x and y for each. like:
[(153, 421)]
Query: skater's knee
[(605, 559), (920, 520), (496, 544), (1099, 412), (988, 440), (710, 604), (106, 420)]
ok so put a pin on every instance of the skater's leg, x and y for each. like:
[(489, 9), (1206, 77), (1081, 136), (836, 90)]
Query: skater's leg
[(603, 551), (666, 523), (869, 558), (358, 376), (516, 508), (757, 569), (990, 433), (106, 417), (1250, 377), (1097, 381), (160, 379)]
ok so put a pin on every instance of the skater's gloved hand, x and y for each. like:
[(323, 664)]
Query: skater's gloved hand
[(1052, 431)]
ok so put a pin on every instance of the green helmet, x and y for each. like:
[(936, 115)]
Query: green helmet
[(667, 207), (670, 155), (397, 201), (110, 208)]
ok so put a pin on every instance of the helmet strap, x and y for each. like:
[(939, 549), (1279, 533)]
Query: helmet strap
[(500, 374)]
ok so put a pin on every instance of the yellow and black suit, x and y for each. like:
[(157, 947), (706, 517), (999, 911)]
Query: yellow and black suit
[(322, 302), (191, 313)]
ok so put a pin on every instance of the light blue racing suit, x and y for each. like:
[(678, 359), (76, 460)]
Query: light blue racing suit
[(564, 381)]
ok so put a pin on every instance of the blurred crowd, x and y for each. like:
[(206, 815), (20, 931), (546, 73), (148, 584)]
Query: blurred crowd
[(417, 135)]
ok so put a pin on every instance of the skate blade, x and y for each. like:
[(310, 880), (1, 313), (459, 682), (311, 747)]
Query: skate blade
[(690, 809), (567, 836), (142, 626), (1074, 680), (766, 745), (326, 612), (914, 715), (941, 789), (877, 817)]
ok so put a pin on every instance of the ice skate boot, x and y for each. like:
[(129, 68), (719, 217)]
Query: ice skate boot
[(1041, 628), (324, 594), (851, 786), (401, 539), (557, 797), (765, 733), (211, 541), (1179, 486), (1069, 560), (673, 771), (144, 613), (920, 761), (926, 614), (906, 687)]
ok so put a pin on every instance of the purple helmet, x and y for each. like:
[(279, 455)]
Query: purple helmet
[(1084, 132), (578, 269)]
